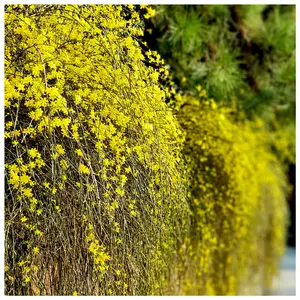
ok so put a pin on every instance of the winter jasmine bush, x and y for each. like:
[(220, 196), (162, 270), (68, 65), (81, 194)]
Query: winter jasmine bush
[(92, 155), (111, 191)]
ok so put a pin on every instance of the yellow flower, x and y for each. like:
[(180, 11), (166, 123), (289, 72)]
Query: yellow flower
[(54, 155), (75, 293), (64, 164), (25, 179), (123, 179), (21, 263), (38, 232), (9, 124), (127, 170), (40, 163), (150, 13), (27, 192), (32, 164), (120, 191), (36, 114), (83, 169), (59, 149), (78, 152), (24, 219), (36, 250), (33, 152), (46, 184)]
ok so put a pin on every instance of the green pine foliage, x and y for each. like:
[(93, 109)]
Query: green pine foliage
[(244, 52)]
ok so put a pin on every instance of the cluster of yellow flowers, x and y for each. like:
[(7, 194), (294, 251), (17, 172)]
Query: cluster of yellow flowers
[(100, 256), (107, 191)]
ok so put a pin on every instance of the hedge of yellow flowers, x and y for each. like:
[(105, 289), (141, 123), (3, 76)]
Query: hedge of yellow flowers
[(237, 197), (109, 191)]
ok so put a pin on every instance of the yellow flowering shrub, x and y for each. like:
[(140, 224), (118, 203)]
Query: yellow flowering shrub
[(237, 197), (92, 155), (109, 191)]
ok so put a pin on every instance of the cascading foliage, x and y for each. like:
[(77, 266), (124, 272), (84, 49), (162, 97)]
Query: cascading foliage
[(237, 194), (111, 191), (93, 193)]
